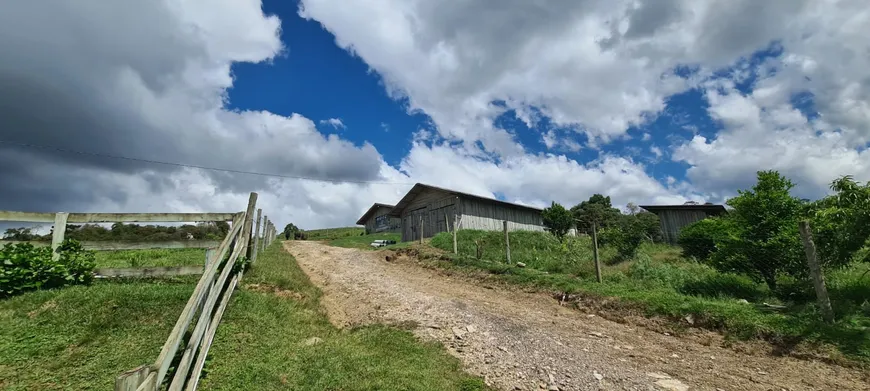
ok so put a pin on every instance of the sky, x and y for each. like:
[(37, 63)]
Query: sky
[(350, 102)]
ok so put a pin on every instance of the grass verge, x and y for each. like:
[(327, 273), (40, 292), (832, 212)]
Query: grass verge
[(266, 341), (151, 257), (82, 337), (334, 233), (365, 241), (661, 283)]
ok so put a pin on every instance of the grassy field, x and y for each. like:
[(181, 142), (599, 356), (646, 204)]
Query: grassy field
[(660, 282), (365, 241), (82, 337), (151, 257), (334, 233), (264, 343)]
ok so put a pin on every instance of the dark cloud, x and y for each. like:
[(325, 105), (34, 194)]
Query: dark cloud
[(143, 80)]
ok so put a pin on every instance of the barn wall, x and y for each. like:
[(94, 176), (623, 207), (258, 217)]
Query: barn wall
[(672, 221), (392, 225), (435, 208), (488, 215)]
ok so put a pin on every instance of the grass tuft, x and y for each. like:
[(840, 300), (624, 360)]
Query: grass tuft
[(151, 257)]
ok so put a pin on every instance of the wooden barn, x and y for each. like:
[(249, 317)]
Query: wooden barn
[(376, 219), (434, 209), (674, 217)]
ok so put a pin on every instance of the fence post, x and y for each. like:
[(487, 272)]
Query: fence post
[(209, 252), (595, 251), (455, 228), (507, 243), (816, 272), (263, 245), (257, 236), (58, 233), (248, 224), (421, 229)]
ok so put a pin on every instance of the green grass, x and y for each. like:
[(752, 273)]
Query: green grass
[(659, 282), (82, 337), (260, 344), (334, 233), (365, 241), (151, 257)]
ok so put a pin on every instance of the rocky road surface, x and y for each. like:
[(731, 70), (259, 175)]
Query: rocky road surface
[(527, 341)]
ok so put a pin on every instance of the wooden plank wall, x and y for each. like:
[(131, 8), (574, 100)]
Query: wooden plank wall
[(433, 206), (395, 222), (438, 209), (484, 215), (672, 221)]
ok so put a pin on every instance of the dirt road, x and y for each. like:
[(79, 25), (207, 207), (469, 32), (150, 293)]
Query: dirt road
[(527, 341)]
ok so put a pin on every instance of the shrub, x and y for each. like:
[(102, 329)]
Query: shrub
[(699, 239), (717, 285), (558, 220), (625, 237), (25, 267)]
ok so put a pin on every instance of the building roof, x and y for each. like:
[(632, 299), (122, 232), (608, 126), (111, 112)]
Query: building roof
[(420, 187), (709, 208), (368, 213)]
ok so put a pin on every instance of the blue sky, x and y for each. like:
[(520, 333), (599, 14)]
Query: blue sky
[(645, 101)]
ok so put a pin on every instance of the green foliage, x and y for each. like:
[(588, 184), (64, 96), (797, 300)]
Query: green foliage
[(699, 239), (597, 210), (290, 230), (20, 234), (650, 226), (625, 236), (215, 230), (558, 220), (334, 233), (158, 257), (841, 223), (26, 267), (764, 242), (365, 241)]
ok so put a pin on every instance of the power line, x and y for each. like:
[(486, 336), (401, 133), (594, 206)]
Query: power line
[(229, 170)]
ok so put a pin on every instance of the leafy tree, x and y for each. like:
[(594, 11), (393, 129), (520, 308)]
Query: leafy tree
[(290, 230), (841, 223), (597, 210), (650, 226), (558, 220), (699, 239), (764, 242), (21, 234), (626, 236)]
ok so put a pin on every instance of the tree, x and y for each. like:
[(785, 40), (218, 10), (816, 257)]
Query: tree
[(632, 209), (290, 230), (841, 223), (698, 240), (650, 225), (21, 234), (764, 241), (598, 210), (626, 236), (558, 220)]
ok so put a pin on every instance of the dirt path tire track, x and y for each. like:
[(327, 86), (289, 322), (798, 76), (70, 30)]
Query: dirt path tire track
[(526, 341)]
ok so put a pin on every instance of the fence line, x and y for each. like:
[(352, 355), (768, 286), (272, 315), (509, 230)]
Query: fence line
[(221, 274)]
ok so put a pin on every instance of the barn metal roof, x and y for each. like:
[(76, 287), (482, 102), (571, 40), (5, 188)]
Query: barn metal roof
[(712, 209), (420, 187), (368, 213)]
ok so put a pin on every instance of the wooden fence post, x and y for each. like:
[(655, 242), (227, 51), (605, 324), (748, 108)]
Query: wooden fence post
[(263, 245), (130, 380), (257, 236), (816, 272), (455, 229), (595, 251), (247, 228), (507, 243), (58, 233), (209, 253)]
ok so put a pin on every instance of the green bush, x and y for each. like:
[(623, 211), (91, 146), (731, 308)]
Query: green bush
[(699, 239), (26, 267), (626, 236), (716, 285)]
